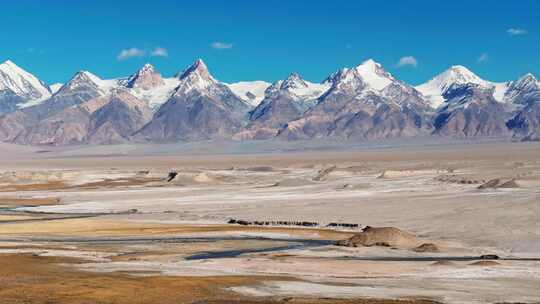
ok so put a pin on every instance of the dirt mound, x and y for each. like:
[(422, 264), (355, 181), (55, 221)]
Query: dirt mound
[(427, 247), (485, 263), (499, 183), (195, 177), (444, 263), (382, 236), (203, 178), (323, 173)]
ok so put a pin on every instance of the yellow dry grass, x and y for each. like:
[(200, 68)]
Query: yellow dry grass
[(6, 218), (109, 227), (18, 201), (56, 185), (41, 280)]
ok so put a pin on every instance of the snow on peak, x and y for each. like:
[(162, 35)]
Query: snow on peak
[(294, 81), (147, 67), (524, 86), (83, 77), (297, 88), (369, 66), (197, 67), (368, 75), (89, 76), (22, 83), (459, 74), (84, 80), (336, 76), (456, 74), (196, 77), (144, 70), (527, 78), (250, 91), (374, 75), (55, 87), (526, 82), (145, 78), (435, 88)]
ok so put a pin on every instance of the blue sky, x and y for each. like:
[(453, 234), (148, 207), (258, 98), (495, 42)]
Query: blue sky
[(264, 39)]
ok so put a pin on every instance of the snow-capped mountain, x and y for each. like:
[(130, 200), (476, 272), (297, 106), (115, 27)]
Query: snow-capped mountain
[(297, 88), (200, 108), (83, 81), (371, 74), (21, 82), (360, 103), (435, 89), (147, 84), (364, 102), (284, 101), (523, 91), (82, 87), (146, 78), (18, 88)]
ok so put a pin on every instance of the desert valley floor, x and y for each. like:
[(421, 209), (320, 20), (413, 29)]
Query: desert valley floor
[(104, 225)]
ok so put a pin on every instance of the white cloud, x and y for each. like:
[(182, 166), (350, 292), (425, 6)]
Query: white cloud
[(160, 52), (483, 58), (222, 45), (406, 61), (516, 31), (130, 53)]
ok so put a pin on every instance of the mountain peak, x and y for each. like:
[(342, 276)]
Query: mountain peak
[(198, 67), (438, 86), (81, 79), (370, 63), (294, 75), (368, 73), (528, 77), (147, 67), (22, 83), (456, 74), (196, 76), (460, 75), (87, 76), (294, 81), (8, 63), (145, 78), (525, 82), (11, 68), (459, 67), (335, 76)]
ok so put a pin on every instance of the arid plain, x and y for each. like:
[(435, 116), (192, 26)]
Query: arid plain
[(105, 224)]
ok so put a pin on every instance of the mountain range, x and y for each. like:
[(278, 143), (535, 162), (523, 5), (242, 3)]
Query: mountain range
[(360, 103)]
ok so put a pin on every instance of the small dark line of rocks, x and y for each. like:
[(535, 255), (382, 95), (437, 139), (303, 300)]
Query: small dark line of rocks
[(292, 223)]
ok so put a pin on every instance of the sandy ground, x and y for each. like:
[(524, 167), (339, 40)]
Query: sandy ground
[(117, 213)]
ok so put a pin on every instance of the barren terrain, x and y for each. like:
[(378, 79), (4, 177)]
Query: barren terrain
[(91, 224)]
